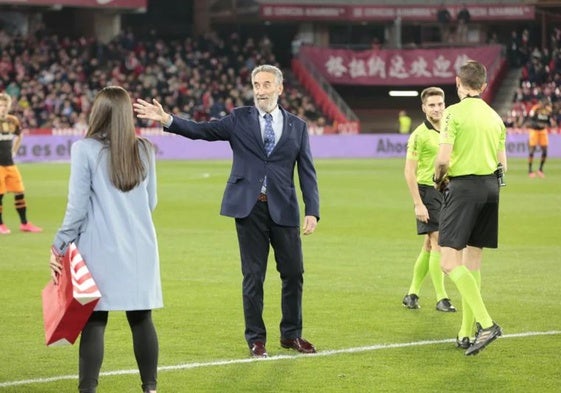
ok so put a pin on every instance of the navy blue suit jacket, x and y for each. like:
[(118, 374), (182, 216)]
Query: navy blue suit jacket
[(250, 164)]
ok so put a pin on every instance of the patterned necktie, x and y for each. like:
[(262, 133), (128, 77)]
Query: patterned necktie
[(269, 142), (269, 133)]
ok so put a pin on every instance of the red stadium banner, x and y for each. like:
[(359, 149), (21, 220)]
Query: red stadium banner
[(134, 4), (406, 67), (416, 13)]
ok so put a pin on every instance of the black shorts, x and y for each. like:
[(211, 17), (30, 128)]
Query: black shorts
[(432, 199), (470, 214)]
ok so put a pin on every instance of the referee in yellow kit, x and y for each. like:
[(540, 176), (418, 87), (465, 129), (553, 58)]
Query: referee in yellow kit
[(472, 143)]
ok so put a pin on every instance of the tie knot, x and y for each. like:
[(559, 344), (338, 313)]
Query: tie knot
[(268, 117)]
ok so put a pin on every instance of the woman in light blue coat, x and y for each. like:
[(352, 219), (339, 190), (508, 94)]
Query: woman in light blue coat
[(112, 193)]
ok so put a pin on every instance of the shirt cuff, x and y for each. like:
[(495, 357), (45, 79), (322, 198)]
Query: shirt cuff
[(168, 122)]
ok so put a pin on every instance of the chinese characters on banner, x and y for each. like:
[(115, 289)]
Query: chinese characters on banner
[(397, 67)]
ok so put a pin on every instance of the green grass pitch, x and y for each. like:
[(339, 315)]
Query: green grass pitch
[(358, 267)]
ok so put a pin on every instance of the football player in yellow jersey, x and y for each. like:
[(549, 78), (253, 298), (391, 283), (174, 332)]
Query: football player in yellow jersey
[(10, 178)]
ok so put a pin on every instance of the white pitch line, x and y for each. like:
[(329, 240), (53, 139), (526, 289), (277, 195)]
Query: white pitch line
[(188, 366)]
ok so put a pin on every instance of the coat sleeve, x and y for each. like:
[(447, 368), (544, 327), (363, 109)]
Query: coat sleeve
[(79, 190), (214, 130), (307, 177)]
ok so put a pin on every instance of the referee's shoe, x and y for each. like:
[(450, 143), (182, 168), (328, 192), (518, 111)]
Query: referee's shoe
[(445, 305), (483, 338)]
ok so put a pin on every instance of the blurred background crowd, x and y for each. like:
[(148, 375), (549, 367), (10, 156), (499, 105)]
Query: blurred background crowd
[(54, 74), (53, 79)]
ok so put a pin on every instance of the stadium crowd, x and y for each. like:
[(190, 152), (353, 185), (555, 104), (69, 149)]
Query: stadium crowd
[(541, 75), (53, 79)]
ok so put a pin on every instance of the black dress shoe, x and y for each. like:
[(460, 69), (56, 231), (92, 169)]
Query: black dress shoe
[(298, 344), (257, 349)]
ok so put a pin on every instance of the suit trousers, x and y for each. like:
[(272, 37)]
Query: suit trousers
[(256, 233)]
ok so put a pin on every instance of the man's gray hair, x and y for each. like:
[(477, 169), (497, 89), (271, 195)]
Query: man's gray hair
[(270, 69)]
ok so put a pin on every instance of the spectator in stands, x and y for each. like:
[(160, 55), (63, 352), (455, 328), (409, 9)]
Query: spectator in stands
[(295, 44), (525, 46), (4, 38), (317, 127), (376, 44), (509, 120), (513, 50), (557, 113), (443, 17), (493, 38), (537, 73), (463, 18), (555, 38)]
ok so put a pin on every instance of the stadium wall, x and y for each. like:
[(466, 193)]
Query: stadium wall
[(56, 148)]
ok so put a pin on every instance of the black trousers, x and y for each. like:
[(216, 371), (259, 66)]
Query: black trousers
[(145, 345), (256, 233)]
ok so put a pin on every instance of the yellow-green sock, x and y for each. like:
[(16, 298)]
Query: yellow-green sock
[(468, 320), (467, 286), (437, 275), (420, 270)]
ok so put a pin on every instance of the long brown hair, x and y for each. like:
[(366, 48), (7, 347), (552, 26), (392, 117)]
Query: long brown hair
[(112, 123)]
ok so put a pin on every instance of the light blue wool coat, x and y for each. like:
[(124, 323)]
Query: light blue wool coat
[(113, 230)]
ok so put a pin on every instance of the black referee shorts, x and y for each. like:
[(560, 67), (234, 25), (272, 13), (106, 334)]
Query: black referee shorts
[(470, 214), (432, 199)]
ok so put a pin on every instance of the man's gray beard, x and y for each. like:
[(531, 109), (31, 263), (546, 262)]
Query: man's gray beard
[(269, 108)]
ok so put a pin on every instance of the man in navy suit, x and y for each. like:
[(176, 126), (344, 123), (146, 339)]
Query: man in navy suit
[(267, 143)]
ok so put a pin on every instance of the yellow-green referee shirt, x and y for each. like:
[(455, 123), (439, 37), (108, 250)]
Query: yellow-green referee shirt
[(476, 133), (422, 147)]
